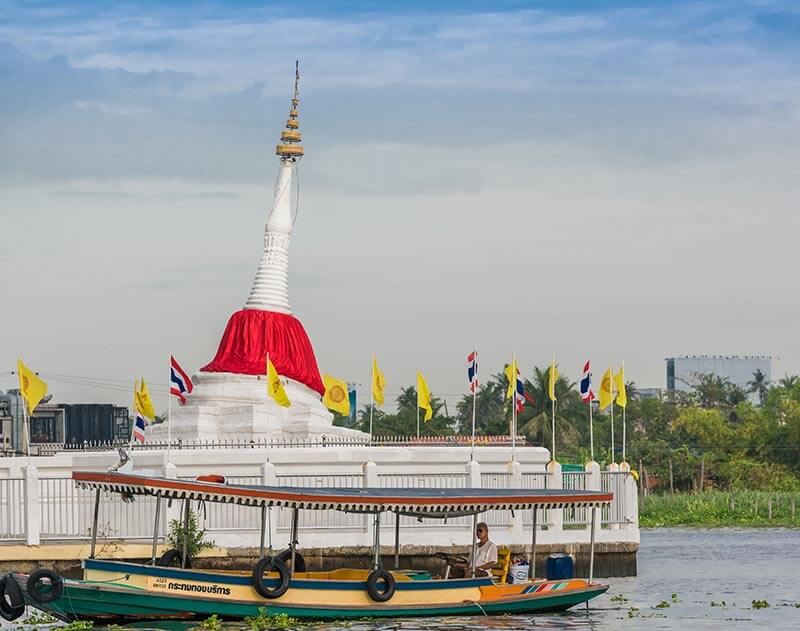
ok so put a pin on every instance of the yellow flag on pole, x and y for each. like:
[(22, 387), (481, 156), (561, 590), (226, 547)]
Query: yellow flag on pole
[(619, 381), (275, 386), (424, 397), (551, 384), (32, 388), (143, 403), (606, 390), (378, 382), (336, 396), (511, 372)]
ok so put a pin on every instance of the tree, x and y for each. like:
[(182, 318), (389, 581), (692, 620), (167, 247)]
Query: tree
[(788, 381), (760, 385), (710, 390)]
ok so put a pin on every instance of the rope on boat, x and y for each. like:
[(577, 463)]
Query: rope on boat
[(478, 605)]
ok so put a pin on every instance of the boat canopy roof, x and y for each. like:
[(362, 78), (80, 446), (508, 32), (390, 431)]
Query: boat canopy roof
[(419, 502)]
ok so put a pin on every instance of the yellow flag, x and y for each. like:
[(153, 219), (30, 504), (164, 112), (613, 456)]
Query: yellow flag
[(275, 386), (606, 390), (144, 405), (551, 385), (619, 381), (424, 397), (336, 397), (378, 382), (31, 387), (511, 374)]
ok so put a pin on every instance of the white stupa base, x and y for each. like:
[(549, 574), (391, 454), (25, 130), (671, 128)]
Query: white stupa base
[(232, 407)]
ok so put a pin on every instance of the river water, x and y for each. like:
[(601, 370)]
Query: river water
[(688, 579)]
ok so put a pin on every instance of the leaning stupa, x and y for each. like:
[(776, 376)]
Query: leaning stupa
[(229, 399)]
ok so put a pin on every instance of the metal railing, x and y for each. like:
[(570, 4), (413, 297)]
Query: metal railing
[(535, 481), (49, 449), (455, 480), (575, 516), (614, 482), (313, 519), (12, 503), (66, 513)]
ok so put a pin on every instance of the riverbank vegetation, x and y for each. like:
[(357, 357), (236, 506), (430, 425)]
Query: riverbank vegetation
[(709, 438)]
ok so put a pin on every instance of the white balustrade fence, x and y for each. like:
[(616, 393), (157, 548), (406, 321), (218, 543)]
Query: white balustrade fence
[(42, 503)]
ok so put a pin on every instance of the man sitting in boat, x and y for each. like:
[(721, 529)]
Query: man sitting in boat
[(485, 556)]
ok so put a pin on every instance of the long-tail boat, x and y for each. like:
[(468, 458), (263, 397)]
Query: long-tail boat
[(123, 592)]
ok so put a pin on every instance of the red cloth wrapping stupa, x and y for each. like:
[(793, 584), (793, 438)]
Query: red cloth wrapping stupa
[(252, 333)]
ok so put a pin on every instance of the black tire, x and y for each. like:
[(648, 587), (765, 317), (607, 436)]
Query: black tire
[(299, 561), (373, 589), (172, 558), (264, 565), (35, 585), (12, 604)]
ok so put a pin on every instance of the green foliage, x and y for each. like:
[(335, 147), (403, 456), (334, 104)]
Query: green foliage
[(264, 621), (759, 604), (78, 625), (196, 541), (212, 623), (39, 617), (716, 508)]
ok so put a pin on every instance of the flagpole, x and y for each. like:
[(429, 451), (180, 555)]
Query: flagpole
[(611, 385), (27, 433), (623, 413), (133, 426), (371, 398), (417, 404), (553, 404), (474, 386), (169, 411), (513, 409), (591, 425)]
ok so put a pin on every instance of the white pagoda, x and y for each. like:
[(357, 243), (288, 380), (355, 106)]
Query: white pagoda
[(229, 399)]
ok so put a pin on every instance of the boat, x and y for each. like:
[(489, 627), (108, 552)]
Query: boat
[(116, 591)]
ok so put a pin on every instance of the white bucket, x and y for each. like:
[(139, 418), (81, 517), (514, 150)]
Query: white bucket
[(518, 573)]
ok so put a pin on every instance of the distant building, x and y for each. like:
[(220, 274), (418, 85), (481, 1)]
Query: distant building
[(682, 371), (648, 393), (57, 424)]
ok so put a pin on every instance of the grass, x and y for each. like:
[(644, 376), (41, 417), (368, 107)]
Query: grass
[(720, 508)]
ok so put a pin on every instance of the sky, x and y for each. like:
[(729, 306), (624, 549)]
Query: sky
[(606, 180)]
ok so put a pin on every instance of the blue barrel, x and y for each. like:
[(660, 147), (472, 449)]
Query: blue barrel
[(559, 565)]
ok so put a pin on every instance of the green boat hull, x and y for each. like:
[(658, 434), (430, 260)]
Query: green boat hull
[(90, 601)]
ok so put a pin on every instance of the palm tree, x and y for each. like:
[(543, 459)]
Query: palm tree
[(788, 381), (711, 390), (760, 385)]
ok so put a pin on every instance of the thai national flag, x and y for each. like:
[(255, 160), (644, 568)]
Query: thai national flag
[(472, 370), (586, 384), (519, 395), (138, 428), (179, 382)]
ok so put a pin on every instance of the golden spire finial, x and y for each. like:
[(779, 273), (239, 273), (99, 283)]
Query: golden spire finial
[(290, 135)]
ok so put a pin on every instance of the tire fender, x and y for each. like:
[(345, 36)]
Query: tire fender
[(274, 564), (12, 604), (34, 585), (172, 557), (373, 585)]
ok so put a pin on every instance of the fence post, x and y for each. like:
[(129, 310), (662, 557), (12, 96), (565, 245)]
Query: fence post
[(270, 478), (473, 471), (631, 503), (594, 483), (174, 511), (514, 469), (33, 512), (555, 481), (370, 481)]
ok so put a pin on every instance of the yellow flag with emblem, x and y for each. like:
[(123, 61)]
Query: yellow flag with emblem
[(606, 390), (143, 403), (619, 381), (424, 397), (551, 384), (32, 388), (336, 396), (511, 372), (378, 382), (275, 386)]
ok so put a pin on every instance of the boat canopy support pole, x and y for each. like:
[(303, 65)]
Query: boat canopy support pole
[(94, 522), (293, 542), (591, 545), (185, 551), (397, 541), (376, 542), (532, 560), (155, 530), (263, 530), (474, 545)]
